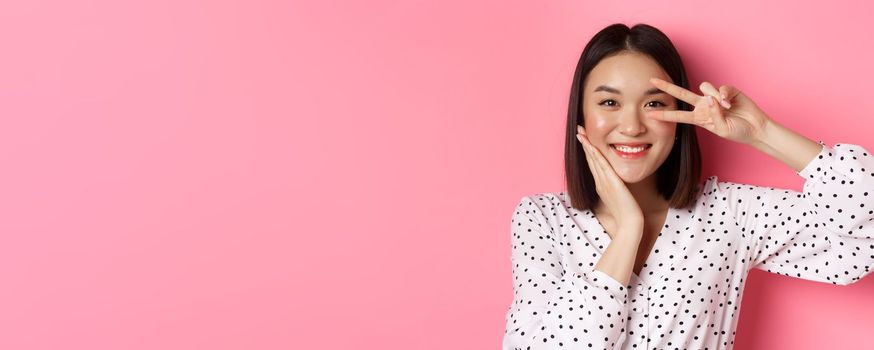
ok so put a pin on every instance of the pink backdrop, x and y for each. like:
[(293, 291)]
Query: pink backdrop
[(341, 174)]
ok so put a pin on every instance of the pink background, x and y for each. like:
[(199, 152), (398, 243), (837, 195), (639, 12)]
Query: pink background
[(341, 174)]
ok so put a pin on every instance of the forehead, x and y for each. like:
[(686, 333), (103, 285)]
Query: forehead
[(628, 71)]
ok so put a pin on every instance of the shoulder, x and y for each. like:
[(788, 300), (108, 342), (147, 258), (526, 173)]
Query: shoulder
[(542, 205), (543, 200), (544, 210), (743, 199), (714, 187)]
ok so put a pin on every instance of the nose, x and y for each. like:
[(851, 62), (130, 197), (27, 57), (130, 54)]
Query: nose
[(630, 124)]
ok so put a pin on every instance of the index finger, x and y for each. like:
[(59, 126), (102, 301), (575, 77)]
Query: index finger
[(676, 91)]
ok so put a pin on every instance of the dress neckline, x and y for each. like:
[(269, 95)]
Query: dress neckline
[(649, 269)]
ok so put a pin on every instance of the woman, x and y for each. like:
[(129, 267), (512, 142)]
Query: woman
[(637, 254)]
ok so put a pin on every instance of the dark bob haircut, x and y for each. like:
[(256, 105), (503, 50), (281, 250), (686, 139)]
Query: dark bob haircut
[(679, 176)]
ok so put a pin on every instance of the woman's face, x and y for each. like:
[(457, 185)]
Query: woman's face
[(616, 95)]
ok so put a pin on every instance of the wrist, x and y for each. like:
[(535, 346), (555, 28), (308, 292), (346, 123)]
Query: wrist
[(629, 235), (767, 127), (786, 145)]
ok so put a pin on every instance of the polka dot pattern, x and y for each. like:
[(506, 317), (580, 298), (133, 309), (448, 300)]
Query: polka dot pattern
[(688, 293)]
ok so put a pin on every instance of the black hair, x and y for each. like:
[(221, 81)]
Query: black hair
[(678, 177)]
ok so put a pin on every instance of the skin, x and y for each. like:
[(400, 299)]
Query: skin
[(612, 117), (626, 187)]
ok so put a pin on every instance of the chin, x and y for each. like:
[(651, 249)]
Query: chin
[(632, 179), (633, 175)]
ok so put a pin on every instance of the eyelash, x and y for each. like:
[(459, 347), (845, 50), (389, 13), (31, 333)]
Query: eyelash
[(659, 102)]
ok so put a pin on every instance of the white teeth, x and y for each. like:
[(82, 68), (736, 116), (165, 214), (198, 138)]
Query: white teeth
[(627, 149)]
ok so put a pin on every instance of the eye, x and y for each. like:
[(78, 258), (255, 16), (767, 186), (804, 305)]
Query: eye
[(607, 103), (659, 104)]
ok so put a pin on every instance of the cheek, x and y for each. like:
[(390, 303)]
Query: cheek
[(596, 125), (663, 129), (600, 123)]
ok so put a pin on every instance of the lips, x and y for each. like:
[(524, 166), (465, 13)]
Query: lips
[(628, 155), (631, 144)]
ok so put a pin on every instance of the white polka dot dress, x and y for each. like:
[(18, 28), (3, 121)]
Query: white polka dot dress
[(688, 293)]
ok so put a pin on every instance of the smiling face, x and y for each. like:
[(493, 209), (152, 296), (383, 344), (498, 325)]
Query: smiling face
[(617, 93)]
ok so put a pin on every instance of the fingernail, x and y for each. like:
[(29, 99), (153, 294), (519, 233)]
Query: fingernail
[(709, 101), (725, 103)]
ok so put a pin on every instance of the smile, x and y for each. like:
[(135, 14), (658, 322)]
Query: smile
[(630, 152)]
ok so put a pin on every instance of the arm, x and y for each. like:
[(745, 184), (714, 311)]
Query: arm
[(553, 307), (618, 260), (785, 145), (823, 234)]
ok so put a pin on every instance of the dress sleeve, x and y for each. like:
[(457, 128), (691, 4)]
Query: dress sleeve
[(553, 307), (824, 233)]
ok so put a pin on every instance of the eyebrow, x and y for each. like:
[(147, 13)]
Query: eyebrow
[(653, 91)]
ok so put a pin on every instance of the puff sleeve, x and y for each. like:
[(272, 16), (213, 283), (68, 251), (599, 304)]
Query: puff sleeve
[(554, 307), (824, 233)]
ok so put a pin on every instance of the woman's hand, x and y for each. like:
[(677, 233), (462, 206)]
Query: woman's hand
[(617, 199), (736, 117)]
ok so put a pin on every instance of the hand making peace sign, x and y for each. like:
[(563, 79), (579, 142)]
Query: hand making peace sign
[(736, 118)]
